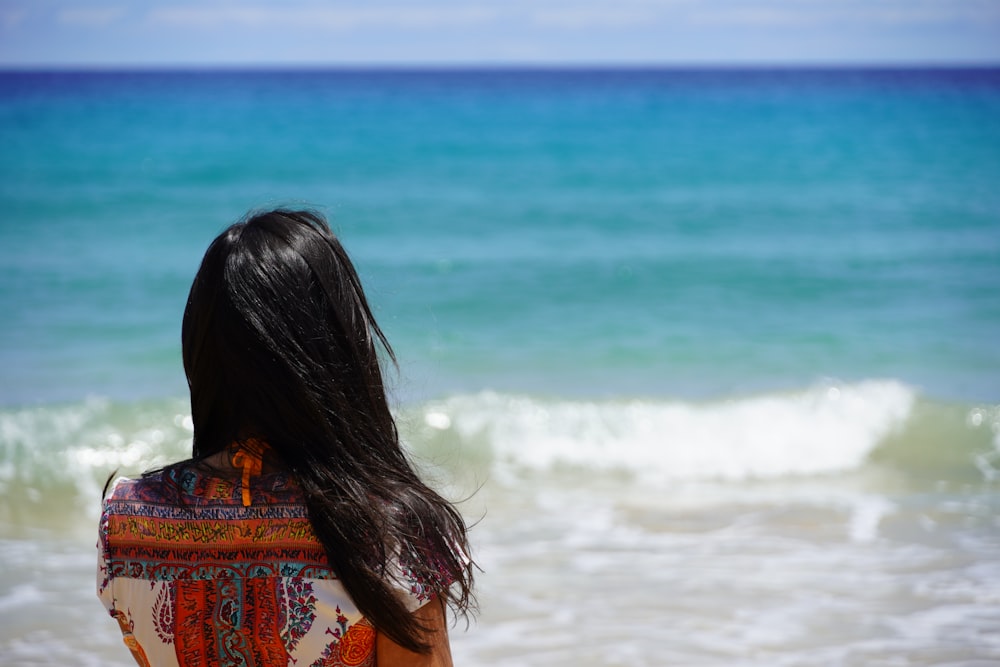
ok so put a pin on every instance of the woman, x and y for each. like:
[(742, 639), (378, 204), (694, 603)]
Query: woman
[(298, 532)]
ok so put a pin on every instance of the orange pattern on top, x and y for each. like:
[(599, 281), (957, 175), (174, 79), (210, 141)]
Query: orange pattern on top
[(357, 646)]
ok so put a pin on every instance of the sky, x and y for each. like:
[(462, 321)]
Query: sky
[(136, 33)]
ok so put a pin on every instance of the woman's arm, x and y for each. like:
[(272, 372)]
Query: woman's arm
[(431, 616)]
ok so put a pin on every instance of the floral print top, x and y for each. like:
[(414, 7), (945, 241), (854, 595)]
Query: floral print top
[(194, 576)]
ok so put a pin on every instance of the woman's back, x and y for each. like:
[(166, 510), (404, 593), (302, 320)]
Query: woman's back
[(298, 532)]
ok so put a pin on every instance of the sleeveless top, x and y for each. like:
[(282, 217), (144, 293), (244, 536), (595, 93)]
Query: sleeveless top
[(202, 570)]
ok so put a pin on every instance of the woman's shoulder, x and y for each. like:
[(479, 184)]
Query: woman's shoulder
[(148, 488), (188, 482)]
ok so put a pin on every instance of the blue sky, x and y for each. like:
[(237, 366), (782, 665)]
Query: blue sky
[(232, 32)]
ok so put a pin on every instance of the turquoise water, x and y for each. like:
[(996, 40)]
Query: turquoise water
[(682, 233), (711, 351)]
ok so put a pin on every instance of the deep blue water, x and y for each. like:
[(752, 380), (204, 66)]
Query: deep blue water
[(606, 232)]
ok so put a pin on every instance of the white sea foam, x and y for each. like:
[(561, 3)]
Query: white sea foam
[(20, 595), (824, 429), (59, 454), (52, 454)]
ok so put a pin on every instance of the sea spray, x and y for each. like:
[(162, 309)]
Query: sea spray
[(55, 459), (824, 429)]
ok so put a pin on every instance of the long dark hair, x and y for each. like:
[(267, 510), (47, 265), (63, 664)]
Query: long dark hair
[(280, 345)]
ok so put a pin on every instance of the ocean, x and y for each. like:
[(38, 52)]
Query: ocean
[(710, 358)]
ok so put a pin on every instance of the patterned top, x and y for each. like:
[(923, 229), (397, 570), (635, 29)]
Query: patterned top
[(194, 577)]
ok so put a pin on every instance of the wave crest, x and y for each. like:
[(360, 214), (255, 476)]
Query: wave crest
[(823, 429)]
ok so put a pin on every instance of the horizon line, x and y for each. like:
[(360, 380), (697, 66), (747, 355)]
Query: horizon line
[(500, 66)]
